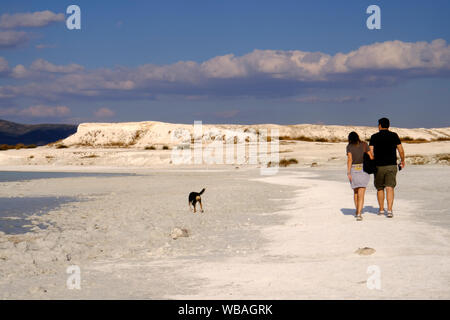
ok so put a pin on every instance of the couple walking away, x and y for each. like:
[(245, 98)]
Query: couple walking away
[(382, 149)]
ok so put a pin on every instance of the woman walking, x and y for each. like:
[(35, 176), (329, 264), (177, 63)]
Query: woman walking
[(357, 176)]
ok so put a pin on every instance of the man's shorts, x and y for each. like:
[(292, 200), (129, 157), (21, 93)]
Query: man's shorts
[(385, 177)]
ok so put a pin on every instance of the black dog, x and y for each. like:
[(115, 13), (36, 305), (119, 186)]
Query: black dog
[(194, 197)]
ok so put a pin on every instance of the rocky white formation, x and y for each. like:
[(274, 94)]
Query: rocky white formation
[(154, 144), (149, 133)]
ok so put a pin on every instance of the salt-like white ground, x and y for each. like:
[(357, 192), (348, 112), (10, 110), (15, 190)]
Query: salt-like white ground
[(101, 158), (288, 236), (312, 254), (152, 144)]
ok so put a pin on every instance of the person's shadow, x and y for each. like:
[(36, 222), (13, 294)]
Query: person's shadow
[(366, 209)]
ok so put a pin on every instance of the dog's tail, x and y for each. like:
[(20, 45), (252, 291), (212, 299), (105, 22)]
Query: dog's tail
[(203, 190)]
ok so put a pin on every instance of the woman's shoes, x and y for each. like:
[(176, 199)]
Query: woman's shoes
[(389, 214)]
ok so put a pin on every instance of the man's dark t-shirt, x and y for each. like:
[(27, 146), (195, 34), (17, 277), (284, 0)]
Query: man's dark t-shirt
[(385, 144)]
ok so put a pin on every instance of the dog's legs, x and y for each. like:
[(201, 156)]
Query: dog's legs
[(190, 207), (201, 207), (195, 205)]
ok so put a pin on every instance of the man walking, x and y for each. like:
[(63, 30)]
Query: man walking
[(384, 146)]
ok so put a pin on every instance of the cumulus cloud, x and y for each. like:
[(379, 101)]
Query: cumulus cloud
[(3, 65), (263, 72), (12, 39), (30, 19), (19, 71), (425, 58), (260, 73), (44, 46), (38, 69), (38, 111), (42, 111), (316, 99), (104, 113), (45, 66)]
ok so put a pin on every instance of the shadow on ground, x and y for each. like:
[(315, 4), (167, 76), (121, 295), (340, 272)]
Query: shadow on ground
[(367, 209)]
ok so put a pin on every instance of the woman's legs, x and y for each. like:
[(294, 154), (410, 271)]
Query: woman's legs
[(360, 196), (355, 197)]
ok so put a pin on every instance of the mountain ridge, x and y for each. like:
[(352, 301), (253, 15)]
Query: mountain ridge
[(13, 133)]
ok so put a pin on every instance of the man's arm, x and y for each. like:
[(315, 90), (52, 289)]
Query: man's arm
[(401, 151)]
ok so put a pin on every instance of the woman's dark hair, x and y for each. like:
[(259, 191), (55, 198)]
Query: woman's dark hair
[(353, 138)]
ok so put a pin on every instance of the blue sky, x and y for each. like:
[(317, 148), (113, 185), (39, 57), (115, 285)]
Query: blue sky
[(130, 53)]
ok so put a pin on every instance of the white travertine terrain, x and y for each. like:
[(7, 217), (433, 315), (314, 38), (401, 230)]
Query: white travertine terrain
[(141, 134), (153, 145)]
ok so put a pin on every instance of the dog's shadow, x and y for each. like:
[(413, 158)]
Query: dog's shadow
[(366, 209)]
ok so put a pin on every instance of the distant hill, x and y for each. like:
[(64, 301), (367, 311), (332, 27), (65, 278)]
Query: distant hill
[(39, 134)]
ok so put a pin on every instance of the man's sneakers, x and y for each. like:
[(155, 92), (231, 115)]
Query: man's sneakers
[(381, 212), (359, 217)]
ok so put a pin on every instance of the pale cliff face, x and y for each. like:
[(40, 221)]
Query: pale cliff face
[(141, 134)]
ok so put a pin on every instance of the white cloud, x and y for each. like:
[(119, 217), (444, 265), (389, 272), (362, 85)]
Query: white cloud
[(38, 69), (19, 71), (11, 39), (38, 111), (45, 66), (316, 66), (44, 46), (30, 19), (104, 113), (14, 38), (260, 73), (226, 66), (41, 111), (3, 65), (316, 99), (401, 56)]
